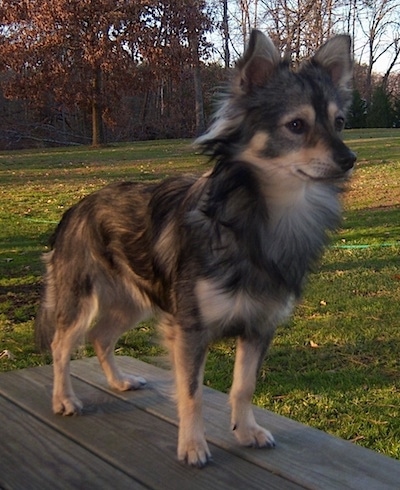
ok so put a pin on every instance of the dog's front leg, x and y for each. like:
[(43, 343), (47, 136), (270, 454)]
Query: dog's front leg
[(188, 352), (249, 356)]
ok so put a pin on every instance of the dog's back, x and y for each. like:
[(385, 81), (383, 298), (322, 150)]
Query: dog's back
[(103, 253)]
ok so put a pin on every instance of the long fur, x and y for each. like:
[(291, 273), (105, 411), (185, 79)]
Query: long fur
[(226, 254)]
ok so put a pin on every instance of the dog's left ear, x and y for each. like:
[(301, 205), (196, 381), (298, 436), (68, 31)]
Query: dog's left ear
[(336, 58), (258, 62)]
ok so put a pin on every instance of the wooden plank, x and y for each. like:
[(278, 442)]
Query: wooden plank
[(34, 456), (137, 443), (307, 456)]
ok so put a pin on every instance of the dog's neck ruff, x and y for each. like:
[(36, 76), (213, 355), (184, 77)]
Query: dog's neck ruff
[(298, 231), (275, 238)]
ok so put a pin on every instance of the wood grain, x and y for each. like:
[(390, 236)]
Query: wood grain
[(129, 439), (121, 435)]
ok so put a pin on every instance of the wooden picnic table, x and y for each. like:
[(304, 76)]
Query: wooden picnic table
[(128, 440)]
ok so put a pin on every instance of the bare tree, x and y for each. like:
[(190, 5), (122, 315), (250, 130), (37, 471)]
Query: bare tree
[(379, 21), (299, 26), (225, 34), (179, 41), (394, 61), (244, 15)]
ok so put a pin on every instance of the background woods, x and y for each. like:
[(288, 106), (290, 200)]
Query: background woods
[(99, 71)]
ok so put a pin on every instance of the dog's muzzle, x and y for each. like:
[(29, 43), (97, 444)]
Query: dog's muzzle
[(345, 158)]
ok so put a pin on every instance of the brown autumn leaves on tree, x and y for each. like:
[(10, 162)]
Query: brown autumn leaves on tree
[(134, 67), (86, 52)]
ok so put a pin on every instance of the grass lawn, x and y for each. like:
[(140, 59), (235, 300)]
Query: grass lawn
[(334, 366)]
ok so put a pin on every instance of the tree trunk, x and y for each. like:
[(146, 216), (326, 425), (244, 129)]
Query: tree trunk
[(200, 122), (368, 81), (97, 111), (392, 64), (225, 28), (198, 89)]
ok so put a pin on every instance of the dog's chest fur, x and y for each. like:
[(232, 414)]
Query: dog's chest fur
[(244, 251), (236, 312)]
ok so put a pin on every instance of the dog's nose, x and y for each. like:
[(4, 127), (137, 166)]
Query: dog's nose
[(346, 159)]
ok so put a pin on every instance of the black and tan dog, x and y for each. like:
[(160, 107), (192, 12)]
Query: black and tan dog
[(226, 254)]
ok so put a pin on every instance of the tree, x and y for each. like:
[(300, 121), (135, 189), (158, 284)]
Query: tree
[(380, 24), (380, 110), (197, 21), (74, 51), (298, 26), (87, 52), (396, 113), (358, 111), (178, 32), (225, 34)]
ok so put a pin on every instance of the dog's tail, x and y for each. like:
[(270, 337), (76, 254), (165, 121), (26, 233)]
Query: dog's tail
[(45, 317), (44, 328)]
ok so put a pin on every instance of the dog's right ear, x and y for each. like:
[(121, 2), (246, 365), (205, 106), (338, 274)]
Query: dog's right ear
[(258, 62), (335, 57)]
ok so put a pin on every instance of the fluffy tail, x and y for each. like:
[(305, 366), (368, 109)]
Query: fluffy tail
[(44, 328), (45, 317)]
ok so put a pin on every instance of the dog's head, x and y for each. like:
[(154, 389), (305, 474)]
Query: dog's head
[(287, 120)]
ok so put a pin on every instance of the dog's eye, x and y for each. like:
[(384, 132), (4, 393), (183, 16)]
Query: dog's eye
[(339, 123), (297, 126)]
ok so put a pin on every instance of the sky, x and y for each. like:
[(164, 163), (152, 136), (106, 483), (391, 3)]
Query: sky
[(341, 16)]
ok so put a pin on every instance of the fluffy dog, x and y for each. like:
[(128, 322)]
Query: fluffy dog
[(226, 254)]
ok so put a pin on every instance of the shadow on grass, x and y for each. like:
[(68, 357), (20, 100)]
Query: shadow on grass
[(333, 368), (19, 302), (327, 369), (356, 262)]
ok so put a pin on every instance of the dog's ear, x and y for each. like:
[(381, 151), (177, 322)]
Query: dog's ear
[(258, 62), (335, 57)]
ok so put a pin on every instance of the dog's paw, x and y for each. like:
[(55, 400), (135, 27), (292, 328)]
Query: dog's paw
[(128, 382), (67, 406), (254, 436), (194, 453)]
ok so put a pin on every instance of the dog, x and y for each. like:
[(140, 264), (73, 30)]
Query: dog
[(221, 255)]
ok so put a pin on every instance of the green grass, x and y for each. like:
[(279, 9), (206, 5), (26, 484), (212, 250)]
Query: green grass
[(334, 366)]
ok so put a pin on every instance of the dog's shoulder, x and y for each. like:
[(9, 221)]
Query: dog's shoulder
[(170, 193), (173, 185)]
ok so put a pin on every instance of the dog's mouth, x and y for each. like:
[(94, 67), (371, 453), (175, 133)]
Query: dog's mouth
[(323, 176)]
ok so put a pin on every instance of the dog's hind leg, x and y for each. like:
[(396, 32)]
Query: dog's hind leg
[(249, 356), (67, 336), (104, 335), (188, 354)]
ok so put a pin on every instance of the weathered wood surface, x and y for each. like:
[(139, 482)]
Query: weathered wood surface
[(129, 440)]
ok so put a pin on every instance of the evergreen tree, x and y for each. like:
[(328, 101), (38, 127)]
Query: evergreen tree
[(396, 113), (357, 117), (380, 111)]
